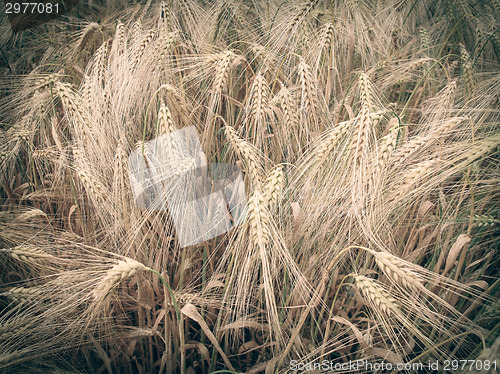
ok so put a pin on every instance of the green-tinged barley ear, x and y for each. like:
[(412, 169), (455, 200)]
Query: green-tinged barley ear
[(425, 41), (485, 220), (22, 294), (467, 70)]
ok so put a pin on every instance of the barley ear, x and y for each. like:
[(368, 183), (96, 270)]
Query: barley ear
[(165, 121), (273, 186), (248, 153), (397, 270), (28, 254), (123, 270), (376, 295), (259, 220)]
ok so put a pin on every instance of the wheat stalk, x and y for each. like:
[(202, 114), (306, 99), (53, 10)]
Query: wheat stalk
[(302, 10), (136, 29), (46, 81), (11, 328), (120, 172), (164, 14), (425, 40), (184, 166), (326, 36), (479, 150), (97, 72), (164, 45), (493, 27), (22, 135), (30, 214), (290, 117), (42, 154), (178, 100)]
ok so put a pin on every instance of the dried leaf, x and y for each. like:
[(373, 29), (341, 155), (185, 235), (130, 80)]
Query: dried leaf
[(390, 356), (355, 330), (425, 208), (455, 251), (190, 311), (245, 323)]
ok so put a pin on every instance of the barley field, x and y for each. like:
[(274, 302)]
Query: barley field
[(362, 139)]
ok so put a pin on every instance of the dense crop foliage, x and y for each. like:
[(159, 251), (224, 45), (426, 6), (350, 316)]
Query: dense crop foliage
[(367, 133)]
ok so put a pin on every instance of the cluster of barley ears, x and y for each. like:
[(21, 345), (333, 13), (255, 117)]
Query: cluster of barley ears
[(367, 135)]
